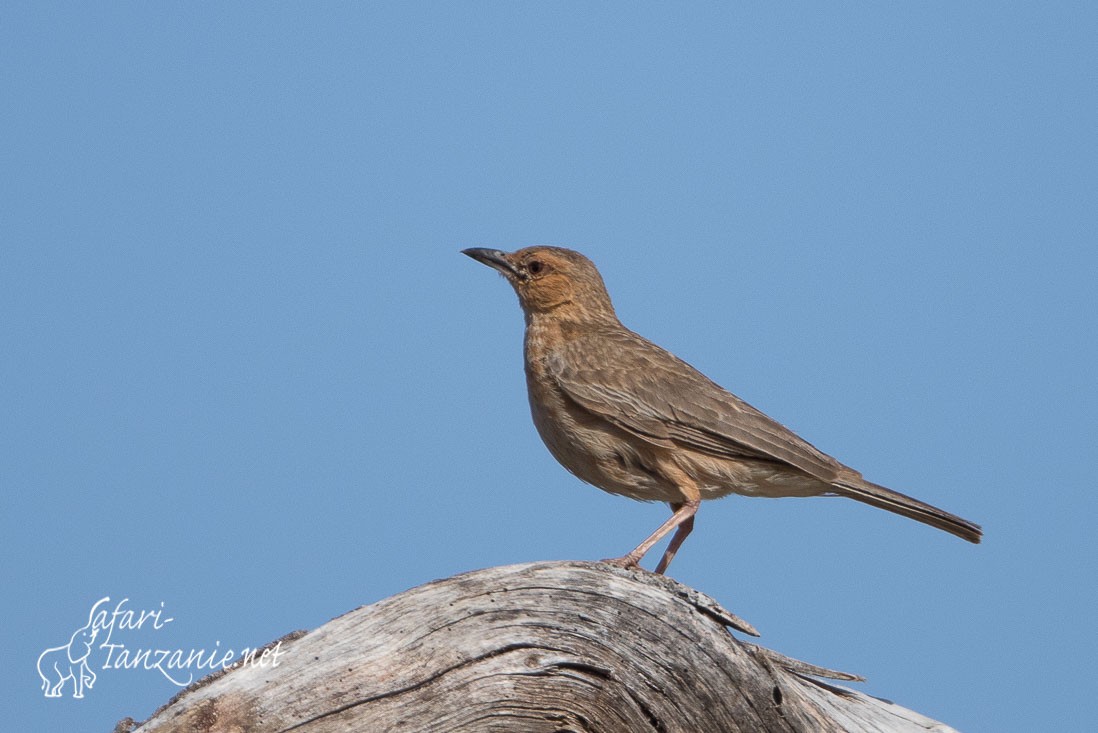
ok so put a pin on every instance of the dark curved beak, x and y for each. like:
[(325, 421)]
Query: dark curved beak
[(493, 258)]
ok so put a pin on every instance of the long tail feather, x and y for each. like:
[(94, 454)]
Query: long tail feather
[(893, 501)]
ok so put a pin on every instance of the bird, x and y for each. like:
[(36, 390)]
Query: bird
[(631, 418)]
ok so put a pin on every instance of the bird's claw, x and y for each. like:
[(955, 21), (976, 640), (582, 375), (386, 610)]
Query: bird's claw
[(627, 562)]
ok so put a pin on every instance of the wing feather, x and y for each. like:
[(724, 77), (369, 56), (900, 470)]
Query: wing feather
[(641, 388)]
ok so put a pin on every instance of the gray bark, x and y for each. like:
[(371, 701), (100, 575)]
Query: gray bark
[(541, 647)]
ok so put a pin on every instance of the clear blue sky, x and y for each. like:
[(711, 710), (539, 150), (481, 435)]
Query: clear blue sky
[(246, 373)]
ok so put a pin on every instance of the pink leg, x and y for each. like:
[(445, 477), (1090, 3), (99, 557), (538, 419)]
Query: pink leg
[(682, 519), (676, 540)]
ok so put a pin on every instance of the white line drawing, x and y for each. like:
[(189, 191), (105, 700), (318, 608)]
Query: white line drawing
[(59, 664)]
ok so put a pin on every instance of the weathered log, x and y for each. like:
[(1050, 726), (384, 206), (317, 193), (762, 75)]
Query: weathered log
[(553, 647)]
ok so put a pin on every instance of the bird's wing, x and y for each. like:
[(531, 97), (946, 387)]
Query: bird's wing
[(641, 388)]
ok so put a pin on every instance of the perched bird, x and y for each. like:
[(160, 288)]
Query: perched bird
[(629, 417)]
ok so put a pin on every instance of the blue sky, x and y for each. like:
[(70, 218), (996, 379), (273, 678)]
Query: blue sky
[(247, 374)]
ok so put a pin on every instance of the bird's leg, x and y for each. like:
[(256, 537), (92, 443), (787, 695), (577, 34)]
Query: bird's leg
[(677, 539), (683, 519)]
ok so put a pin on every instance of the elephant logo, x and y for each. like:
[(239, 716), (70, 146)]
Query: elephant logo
[(59, 664)]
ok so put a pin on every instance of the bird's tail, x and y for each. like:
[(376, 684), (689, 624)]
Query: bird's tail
[(893, 501)]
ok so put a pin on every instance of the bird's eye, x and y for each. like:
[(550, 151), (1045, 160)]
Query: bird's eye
[(535, 266)]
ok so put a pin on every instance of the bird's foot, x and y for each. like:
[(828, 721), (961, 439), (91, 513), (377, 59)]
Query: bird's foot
[(626, 561)]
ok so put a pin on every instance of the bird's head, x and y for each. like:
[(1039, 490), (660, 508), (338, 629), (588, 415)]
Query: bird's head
[(551, 279)]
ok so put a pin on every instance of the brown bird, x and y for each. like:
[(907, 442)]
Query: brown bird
[(629, 417)]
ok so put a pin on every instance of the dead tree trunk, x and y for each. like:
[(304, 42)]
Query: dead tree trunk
[(554, 647)]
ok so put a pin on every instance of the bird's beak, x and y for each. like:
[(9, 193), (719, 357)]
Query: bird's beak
[(493, 258)]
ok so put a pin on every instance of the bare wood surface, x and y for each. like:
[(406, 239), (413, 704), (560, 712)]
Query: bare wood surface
[(549, 647)]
